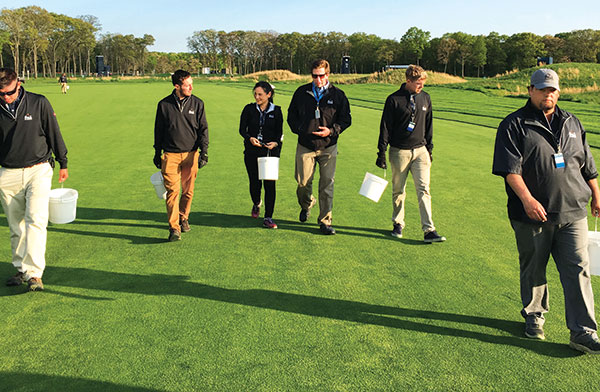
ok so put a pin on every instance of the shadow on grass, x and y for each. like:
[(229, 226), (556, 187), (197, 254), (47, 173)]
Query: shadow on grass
[(421, 321), (16, 381), (131, 218)]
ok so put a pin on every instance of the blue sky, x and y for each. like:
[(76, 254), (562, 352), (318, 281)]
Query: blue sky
[(387, 19)]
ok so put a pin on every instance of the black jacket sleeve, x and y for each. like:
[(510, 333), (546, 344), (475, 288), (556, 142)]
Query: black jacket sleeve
[(202, 140), (53, 135), (386, 126), (295, 118), (429, 127), (244, 119), (159, 129), (344, 118)]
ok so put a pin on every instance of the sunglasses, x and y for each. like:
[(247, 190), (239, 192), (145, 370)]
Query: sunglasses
[(3, 94), (315, 76)]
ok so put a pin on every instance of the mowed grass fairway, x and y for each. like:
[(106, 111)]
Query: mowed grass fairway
[(236, 307)]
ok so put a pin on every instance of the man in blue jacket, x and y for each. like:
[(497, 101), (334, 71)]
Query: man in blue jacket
[(550, 175), (319, 112), (29, 136)]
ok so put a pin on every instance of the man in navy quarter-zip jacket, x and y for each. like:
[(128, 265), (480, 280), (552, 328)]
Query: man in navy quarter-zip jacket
[(29, 136), (318, 113), (550, 174), (181, 147)]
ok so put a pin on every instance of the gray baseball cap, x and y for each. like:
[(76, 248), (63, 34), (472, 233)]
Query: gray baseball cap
[(543, 78)]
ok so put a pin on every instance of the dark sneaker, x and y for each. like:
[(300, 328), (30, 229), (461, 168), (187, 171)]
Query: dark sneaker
[(174, 235), (534, 331), (397, 232), (185, 225), (326, 229), (304, 214), (16, 280), (255, 211), (587, 344), (433, 236), (269, 224), (35, 284)]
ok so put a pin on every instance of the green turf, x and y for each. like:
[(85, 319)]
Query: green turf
[(235, 307)]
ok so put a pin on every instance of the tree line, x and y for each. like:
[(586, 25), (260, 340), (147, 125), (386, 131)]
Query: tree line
[(37, 42)]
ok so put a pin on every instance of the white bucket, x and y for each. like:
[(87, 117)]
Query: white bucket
[(159, 186), (594, 251), (372, 187), (268, 168), (63, 205)]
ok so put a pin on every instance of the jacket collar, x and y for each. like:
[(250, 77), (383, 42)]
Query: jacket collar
[(270, 108)]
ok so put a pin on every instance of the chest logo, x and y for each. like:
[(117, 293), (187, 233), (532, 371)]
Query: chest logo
[(271, 116), (424, 108), (28, 117), (572, 135), (330, 102), (191, 112)]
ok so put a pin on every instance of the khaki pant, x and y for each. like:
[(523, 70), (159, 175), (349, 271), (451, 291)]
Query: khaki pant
[(25, 194), (306, 161), (179, 171), (63, 88), (418, 162)]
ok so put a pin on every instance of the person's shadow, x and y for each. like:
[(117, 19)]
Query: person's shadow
[(146, 219), (504, 332), (18, 381)]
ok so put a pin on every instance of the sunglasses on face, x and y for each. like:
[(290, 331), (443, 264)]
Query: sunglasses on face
[(3, 94), (315, 76)]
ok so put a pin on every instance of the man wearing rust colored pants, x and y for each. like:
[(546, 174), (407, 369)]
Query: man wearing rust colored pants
[(180, 131)]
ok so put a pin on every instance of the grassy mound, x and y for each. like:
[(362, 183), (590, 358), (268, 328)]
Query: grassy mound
[(578, 82), (397, 76), (274, 75)]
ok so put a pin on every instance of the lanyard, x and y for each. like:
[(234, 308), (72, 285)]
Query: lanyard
[(316, 94), (413, 108)]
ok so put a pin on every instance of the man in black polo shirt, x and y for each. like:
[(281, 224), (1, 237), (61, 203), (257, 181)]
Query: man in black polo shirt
[(29, 135), (181, 131), (406, 125), (550, 174)]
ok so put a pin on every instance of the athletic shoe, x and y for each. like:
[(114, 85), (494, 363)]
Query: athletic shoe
[(255, 211), (304, 214), (534, 331), (35, 284), (185, 225), (174, 235), (326, 229), (433, 236), (16, 280), (587, 344), (269, 224), (397, 231)]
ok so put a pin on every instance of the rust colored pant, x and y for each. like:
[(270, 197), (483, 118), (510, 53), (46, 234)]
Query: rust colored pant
[(179, 171)]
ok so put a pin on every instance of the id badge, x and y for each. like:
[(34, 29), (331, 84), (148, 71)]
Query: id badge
[(411, 126), (317, 113), (559, 160)]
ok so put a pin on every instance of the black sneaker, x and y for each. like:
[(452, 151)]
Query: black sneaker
[(185, 225), (35, 284), (269, 224), (174, 235), (587, 344), (326, 229), (397, 231), (433, 236), (304, 214), (16, 280), (534, 331)]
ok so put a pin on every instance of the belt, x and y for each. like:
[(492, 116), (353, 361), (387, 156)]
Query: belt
[(41, 163)]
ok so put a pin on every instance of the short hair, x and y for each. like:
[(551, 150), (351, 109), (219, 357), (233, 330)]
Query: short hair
[(267, 87), (415, 72), (321, 63), (179, 76), (7, 76)]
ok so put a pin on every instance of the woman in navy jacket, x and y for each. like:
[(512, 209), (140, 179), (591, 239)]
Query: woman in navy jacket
[(261, 126)]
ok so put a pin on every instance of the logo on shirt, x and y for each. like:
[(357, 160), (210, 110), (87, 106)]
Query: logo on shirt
[(424, 108), (191, 112), (28, 117), (572, 135), (271, 116), (330, 102)]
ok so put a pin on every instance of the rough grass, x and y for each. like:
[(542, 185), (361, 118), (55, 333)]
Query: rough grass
[(275, 76)]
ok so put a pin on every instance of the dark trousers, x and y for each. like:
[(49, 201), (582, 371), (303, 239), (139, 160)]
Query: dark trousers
[(256, 185)]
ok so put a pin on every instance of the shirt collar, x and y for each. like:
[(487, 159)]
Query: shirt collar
[(270, 108)]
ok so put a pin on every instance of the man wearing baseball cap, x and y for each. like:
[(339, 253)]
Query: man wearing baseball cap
[(550, 175)]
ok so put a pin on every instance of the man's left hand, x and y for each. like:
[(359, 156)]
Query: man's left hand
[(63, 174), (202, 161), (323, 132), (595, 207)]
